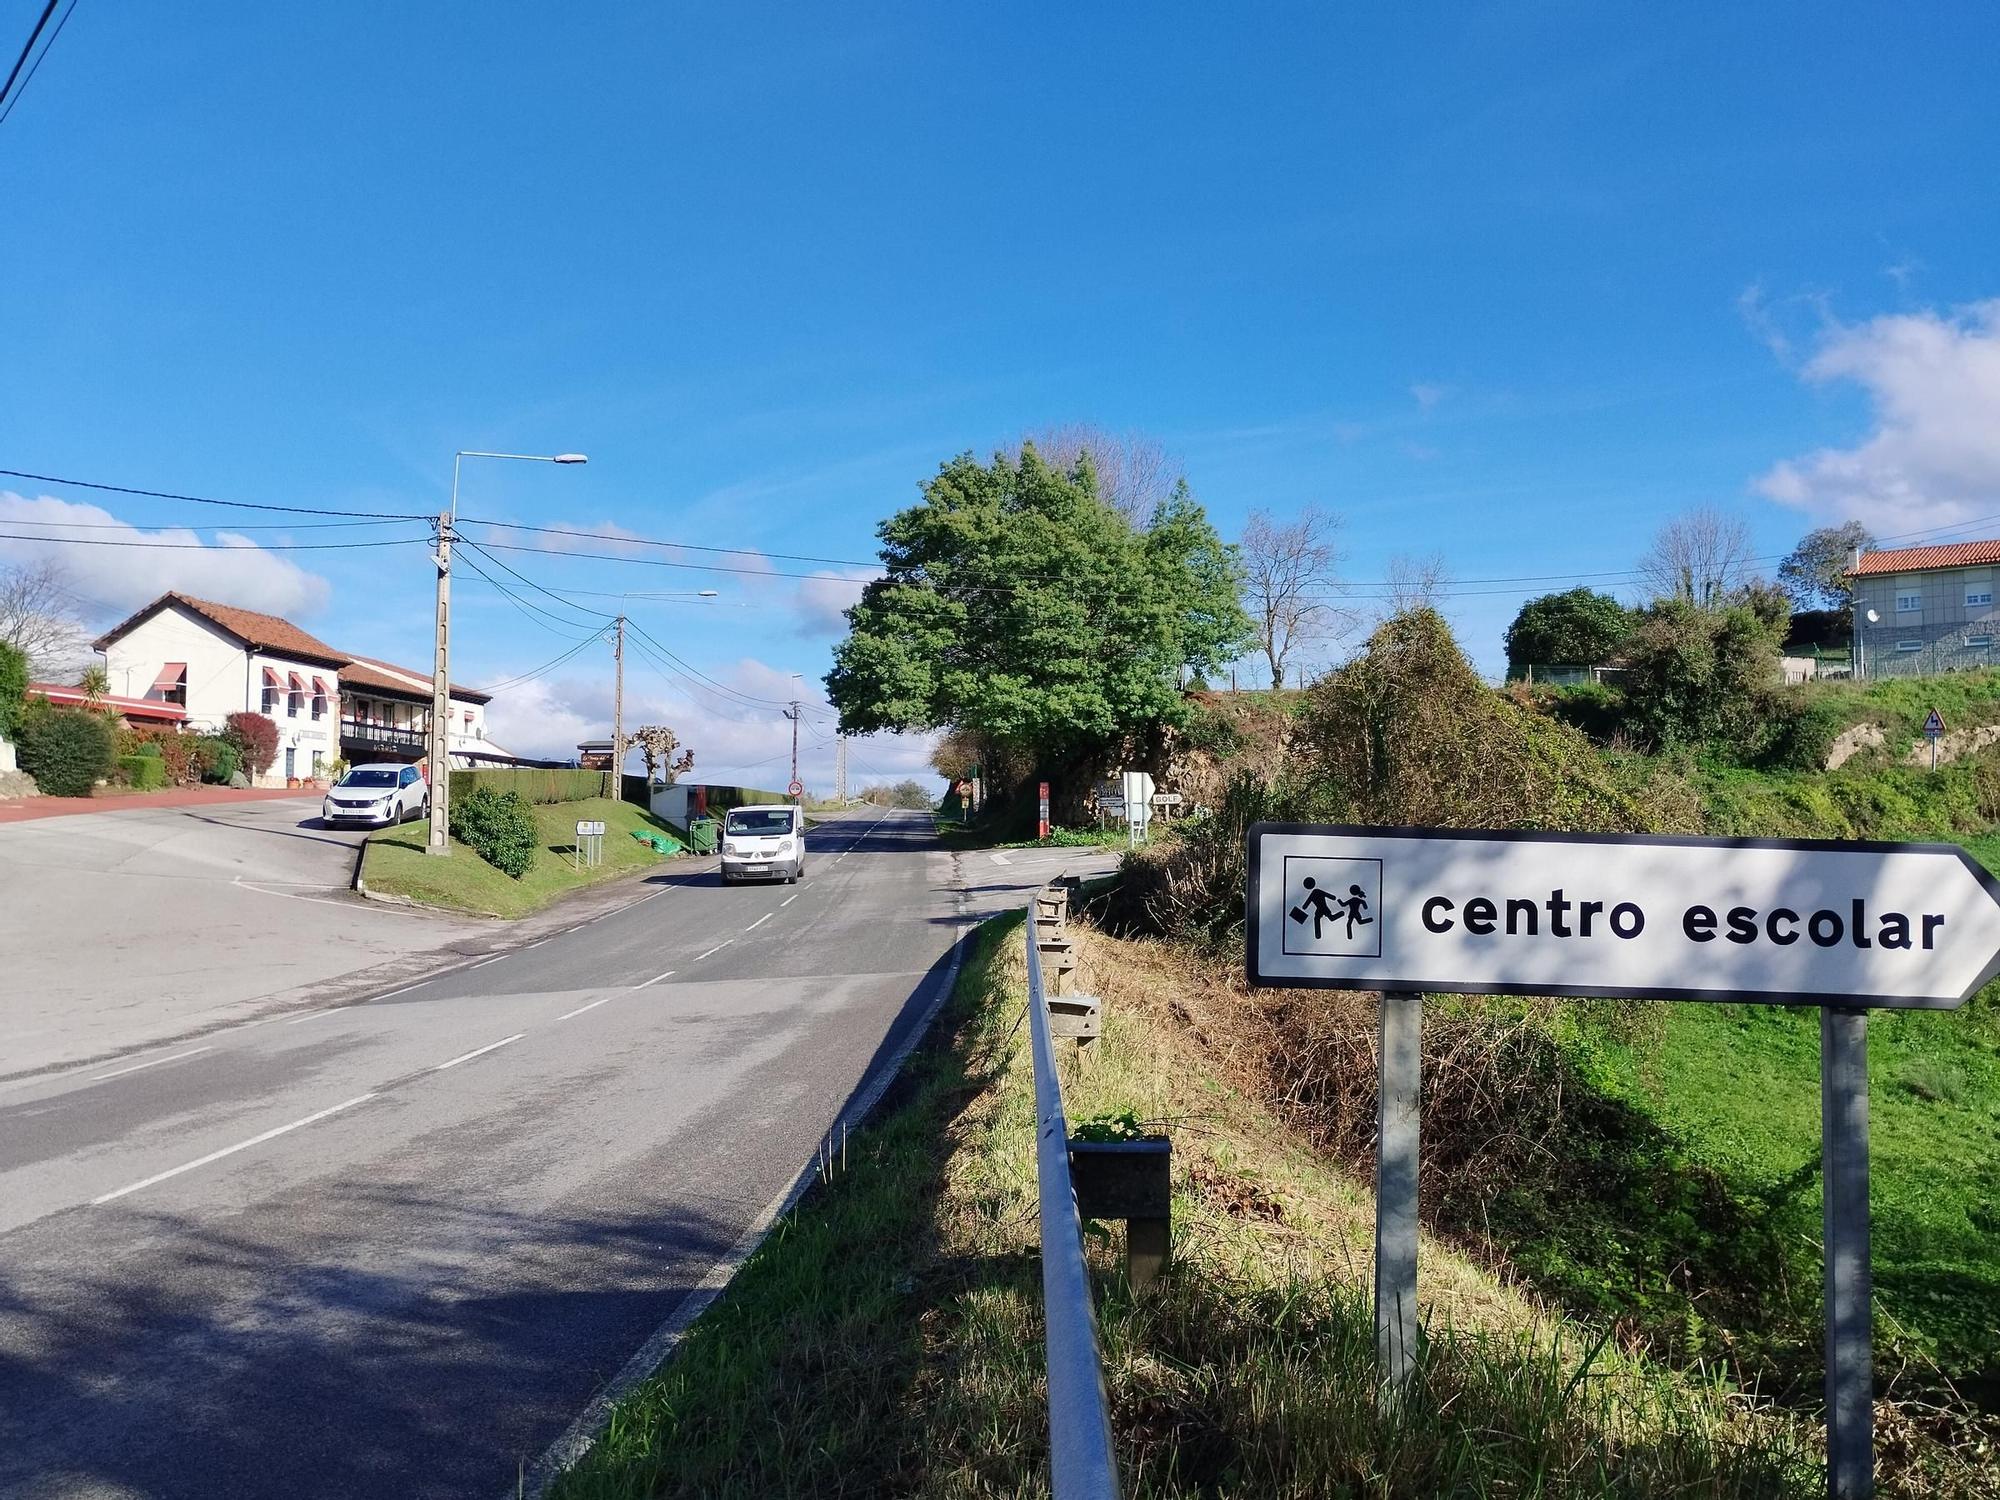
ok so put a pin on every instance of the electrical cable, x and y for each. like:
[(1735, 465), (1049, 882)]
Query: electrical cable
[(29, 46), (290, 510), (105, 541), (534, 612), (198, 525), (543, 669), (46, 49)]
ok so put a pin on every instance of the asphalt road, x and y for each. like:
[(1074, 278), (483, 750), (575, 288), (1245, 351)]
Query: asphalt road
[(395, 1247), (124, 927)]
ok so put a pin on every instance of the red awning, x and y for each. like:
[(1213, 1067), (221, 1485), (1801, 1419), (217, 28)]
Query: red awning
[(172, 675), (319, 688), (298, 683), (271, 678)]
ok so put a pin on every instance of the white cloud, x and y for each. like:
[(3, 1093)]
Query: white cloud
[(733, 742), (1429, 393), (823, 600), (112, 580), (1933, 456)]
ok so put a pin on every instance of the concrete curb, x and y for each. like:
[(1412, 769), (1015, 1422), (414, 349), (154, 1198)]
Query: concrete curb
[(582, 1434)]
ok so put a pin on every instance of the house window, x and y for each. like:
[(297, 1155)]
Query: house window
[(1909, 604), (1909, 645), (319, 699), (270, 691), (295, 696), (1975, 596), (1981, 641)]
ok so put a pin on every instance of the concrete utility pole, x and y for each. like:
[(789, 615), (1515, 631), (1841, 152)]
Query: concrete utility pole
[(792, 713), (618, 716), (840, 768), (439, 756)]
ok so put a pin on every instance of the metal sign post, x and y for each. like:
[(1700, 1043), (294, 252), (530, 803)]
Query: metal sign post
[(1934, 731), (1843, 926), (588, 850)]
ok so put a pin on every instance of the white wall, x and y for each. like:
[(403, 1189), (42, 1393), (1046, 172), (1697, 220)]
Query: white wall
[(303, 736)]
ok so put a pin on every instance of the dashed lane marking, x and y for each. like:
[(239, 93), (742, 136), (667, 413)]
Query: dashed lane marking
[(121, 1072), (478, 1052), (715, 950), (653, 981), (594, 1004), (759, 922), (255, 1140)]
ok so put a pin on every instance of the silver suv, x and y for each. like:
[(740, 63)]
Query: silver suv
[(763, 843)]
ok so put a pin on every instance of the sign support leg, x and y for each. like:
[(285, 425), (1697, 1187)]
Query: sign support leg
[(1850, 1376), (1396, 1140)]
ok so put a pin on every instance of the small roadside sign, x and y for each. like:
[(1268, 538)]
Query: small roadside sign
[(796, 789), (1785, 921), (585, 828), (1934, 725)]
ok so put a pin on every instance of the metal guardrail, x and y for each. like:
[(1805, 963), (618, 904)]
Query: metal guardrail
[(1081, 1463)]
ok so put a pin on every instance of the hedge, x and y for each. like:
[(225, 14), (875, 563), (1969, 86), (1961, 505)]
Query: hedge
[(530, 784), (145, 773), (67, 751), (498, 827)]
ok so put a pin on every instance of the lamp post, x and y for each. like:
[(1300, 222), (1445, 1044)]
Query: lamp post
[(440, 755)]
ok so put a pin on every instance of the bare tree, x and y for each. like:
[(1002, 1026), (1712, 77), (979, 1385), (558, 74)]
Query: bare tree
[(38, 616), (1134, 472), (1701, 556), (657, 744), (1290, 573), (1416, 582)]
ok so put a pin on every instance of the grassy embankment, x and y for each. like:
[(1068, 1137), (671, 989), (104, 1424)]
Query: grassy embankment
[(395, 863), (914, 1366)]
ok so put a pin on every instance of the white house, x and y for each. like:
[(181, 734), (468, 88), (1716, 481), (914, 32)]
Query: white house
[(214, 660)]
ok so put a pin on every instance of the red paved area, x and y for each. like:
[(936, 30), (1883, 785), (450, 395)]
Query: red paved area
[(21, 809)]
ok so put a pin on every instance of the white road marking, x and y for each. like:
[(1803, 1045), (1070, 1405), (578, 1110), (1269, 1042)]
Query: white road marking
[(715, 950), (535, 944), (1000, 859), (478, 1052), (255, 1140), (759, 922), (326, 1010), (121, 1072), (594, 1004), (654, 980), (789, 899), (492, 960)]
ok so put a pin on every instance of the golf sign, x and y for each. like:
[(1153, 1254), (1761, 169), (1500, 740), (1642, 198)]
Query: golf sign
[(1779, 921), (1843, 926)]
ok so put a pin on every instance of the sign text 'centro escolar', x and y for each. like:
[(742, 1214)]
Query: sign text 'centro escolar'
[(1800, 921)]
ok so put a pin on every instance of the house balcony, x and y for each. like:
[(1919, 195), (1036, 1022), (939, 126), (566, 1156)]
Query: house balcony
[(361, 741)]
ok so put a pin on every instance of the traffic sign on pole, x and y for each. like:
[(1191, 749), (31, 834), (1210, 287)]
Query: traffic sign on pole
[(796, 789), (1783, 921), (1844, 926)]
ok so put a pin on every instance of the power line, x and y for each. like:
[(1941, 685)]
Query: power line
[(287, 526), (290, 510), (534, 612), (39, 61), (543, 669), (106, 541), (27, 47)]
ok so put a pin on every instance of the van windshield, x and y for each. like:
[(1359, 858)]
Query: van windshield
[(756, 820)]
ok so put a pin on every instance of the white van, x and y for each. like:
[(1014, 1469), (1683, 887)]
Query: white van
[(764, 843)]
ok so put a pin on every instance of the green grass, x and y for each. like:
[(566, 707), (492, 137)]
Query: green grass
[(395, 863), (1901, 802), (1899, 704), (1736, 1087), (887, 1338)]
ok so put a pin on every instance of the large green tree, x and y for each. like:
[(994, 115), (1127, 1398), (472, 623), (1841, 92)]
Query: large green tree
[(1022, 610), (1579, 628), (1815, 573)]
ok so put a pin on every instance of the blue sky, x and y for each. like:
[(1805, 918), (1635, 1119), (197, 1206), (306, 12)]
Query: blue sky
[(1512, 284)]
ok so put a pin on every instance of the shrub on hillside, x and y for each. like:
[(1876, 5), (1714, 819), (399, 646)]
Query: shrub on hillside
[(66, 751), (1797, 733), (1697, 677), (1596, 708), (13, 687), (256, 740), (497, 826)]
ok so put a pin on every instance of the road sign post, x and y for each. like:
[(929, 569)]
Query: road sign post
[(1934, 731), (1843, 926)]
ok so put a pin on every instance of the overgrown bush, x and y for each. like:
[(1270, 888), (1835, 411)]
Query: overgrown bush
[(1595, 708), (497, 826), (143, 773), (218, 759), (67, 751), (1697, 677), (13, 687), (255, 737), (1798, 733)]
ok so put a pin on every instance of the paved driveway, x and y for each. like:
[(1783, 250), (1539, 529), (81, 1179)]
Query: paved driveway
[(120, 929)]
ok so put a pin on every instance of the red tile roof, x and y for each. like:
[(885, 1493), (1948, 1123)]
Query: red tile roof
[(387, 677), (259, 631), (1917, 559)]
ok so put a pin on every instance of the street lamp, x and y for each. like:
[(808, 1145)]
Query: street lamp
[(440, 755)]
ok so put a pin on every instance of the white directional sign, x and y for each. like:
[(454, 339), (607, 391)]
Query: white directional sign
[(1781, 921)]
